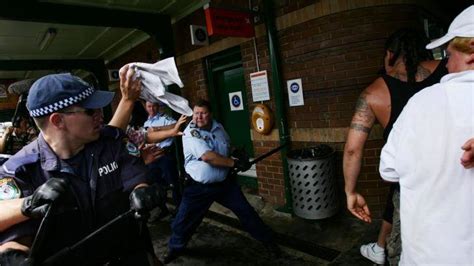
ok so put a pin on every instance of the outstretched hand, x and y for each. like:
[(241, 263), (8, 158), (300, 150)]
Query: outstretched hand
[(150, 153), (358, 207), (130, 85), (467, 158), (182, 119)]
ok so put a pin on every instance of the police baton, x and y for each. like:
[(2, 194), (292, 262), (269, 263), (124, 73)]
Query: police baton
[(267, 154), (234, 171), (40, 234)]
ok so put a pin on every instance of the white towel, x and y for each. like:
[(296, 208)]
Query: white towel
[(154, 77)]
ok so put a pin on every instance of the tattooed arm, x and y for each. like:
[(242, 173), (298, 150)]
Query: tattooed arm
[(361, 124)]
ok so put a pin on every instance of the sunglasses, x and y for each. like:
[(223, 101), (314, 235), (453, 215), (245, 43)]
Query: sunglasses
[(89, 112)]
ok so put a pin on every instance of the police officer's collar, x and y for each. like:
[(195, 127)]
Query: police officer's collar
[(49, 160), (158, 115), (214, 126)]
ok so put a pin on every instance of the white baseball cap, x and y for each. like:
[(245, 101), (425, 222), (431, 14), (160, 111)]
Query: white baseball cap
[(462, 26)]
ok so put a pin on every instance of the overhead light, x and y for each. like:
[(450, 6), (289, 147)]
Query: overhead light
[(47, 39)]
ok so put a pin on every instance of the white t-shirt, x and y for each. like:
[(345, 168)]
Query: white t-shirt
[(423, 153)]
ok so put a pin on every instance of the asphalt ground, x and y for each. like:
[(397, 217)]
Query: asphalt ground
[(220, 241)]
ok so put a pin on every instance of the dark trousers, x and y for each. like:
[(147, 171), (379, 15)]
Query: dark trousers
[(389, 208), (197, 198), (164, 172)]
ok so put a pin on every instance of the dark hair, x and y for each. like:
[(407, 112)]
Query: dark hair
[(21, 112), (204, 103), (139, 115), (410, 44)]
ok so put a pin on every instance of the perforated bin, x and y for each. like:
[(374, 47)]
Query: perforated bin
[(312, 180)]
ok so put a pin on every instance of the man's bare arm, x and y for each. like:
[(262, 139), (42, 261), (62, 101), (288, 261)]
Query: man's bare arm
[(160, 135), (11, 213), (163, 127), (216, 159), (361, 124)]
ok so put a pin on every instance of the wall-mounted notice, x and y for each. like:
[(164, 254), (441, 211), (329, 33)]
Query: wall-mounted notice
[(295, 92), (235, 100), (259, 84)]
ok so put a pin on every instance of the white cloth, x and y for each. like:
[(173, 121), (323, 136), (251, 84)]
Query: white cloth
[(154, 77), (423, 153)]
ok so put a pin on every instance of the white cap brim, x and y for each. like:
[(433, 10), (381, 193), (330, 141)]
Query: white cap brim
[(438, 42)]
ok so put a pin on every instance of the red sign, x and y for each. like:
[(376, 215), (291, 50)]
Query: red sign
[(229, 23)]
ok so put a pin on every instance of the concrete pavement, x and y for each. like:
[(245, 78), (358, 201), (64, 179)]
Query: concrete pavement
[(220, 241)]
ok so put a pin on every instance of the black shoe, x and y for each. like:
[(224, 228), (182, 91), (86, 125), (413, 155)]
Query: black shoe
[(273, 250), (171, 255)]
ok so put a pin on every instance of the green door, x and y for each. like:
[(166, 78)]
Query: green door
[(235, 122), (227, 78)]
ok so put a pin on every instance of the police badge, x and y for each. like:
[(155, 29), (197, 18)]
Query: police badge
[(195, 133), (9, 189), (132, 149)]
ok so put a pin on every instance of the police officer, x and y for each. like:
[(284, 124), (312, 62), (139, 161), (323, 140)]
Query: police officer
[(82, 173), (206, 148), (164, 170)]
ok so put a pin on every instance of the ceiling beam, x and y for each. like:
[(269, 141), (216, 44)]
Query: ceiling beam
[(158, 26), (27, 10), (87, 64)]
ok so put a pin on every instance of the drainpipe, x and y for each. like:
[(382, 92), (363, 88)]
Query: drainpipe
[(280, 113)]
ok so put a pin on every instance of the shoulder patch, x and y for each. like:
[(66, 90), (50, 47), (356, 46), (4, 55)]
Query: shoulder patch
[(132, 149), (9, 189), (195, 133)]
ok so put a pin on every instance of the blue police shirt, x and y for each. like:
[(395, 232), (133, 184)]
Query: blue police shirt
[(160, 120), (196, 142), (114, 169)]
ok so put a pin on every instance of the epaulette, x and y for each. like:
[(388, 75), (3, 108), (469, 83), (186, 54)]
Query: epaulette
[(19, 160)]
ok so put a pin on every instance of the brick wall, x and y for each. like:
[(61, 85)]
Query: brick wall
[(194, 79), (336, 56)]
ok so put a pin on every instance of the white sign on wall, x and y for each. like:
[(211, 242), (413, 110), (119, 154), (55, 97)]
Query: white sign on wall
[(295, 92), (198, 35), (259, 84), (235, 100)]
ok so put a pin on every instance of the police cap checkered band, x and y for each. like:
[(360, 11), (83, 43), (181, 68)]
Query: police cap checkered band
[(61, 104), (55, 92)]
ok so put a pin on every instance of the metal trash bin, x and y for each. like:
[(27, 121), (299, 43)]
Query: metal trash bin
[(312, 182)]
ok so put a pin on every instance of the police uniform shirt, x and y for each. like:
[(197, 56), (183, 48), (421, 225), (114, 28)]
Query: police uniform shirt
[(114, 168), (196, 142), (160, 120)]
